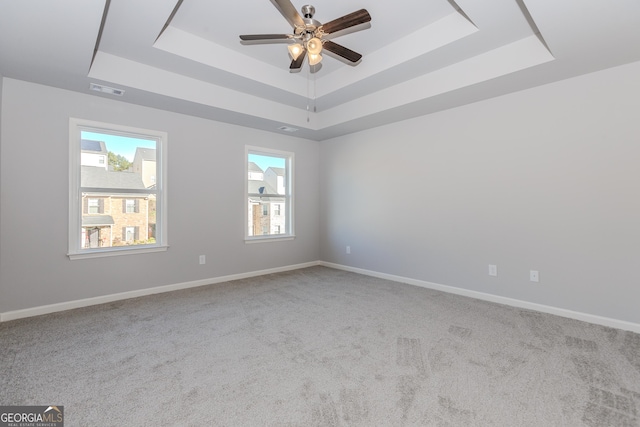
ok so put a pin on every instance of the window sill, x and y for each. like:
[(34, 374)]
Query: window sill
[(264, 239), (101, 253)]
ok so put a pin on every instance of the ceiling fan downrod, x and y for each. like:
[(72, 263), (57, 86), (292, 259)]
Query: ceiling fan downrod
[(308, 11)]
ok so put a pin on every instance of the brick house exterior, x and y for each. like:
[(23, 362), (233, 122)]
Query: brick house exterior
[(112, 217), (119, 219)]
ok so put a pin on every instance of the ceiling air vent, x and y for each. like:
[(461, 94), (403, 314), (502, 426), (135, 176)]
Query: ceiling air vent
[(287, 129), (106, 89)]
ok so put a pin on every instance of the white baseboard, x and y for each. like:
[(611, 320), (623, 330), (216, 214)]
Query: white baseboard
[(585, 317), (86, 302)]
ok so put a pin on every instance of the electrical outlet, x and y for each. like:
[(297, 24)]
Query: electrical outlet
[(493, 270), (348, 249), (534, 276), (203, 259)]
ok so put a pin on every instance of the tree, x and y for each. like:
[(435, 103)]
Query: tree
[(118, 162)]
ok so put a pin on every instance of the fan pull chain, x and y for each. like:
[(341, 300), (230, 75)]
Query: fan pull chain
[(314, 93), (309, 97), (308, 91)]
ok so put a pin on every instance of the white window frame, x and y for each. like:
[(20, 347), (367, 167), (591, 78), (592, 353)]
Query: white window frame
[(130, 204), (288, 210), (91, 204), (75, 251)]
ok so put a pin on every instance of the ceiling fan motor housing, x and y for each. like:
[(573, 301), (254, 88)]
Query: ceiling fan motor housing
[(308, 11)]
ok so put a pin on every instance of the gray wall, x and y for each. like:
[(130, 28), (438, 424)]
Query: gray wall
[(205, 195), (545, 179), (1, 187)]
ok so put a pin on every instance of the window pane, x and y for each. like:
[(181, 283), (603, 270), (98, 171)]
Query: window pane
[(118, 182), (269, 195), (130, 162)]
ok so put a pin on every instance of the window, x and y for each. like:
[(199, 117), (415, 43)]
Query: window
[(269, 189), (114, 208), (93, 206), (130, 234), (131, 206)]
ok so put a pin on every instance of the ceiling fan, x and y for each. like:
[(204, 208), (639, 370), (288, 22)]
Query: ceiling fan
[(310, 36)]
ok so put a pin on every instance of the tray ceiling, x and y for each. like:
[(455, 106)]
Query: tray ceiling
[(418, 57)]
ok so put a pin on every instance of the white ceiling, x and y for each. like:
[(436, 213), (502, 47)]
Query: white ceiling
[(418, 56)]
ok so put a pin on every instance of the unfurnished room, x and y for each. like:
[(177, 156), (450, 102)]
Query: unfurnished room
[(355, 213)]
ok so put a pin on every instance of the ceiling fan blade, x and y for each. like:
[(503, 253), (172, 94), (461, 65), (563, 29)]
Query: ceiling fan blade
[(289, 12), (258, 37), (341, 51), (356, 18), (296, 64)]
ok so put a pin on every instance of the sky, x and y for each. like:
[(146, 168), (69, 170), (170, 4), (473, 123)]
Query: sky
[(125, 146), (266, 161)]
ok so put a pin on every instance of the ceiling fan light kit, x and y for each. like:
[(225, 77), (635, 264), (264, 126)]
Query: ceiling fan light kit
[(314, 59), (308, 34), (314, 46), (295, 50)]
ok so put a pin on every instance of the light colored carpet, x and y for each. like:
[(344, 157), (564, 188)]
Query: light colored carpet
[(320, 347)]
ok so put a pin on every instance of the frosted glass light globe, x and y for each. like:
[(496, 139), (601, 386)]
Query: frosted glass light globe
[(314, 59), (295, 50), (314, 46)]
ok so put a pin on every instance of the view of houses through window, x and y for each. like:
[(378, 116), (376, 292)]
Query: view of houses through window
[(118, 190), (269, 193)]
